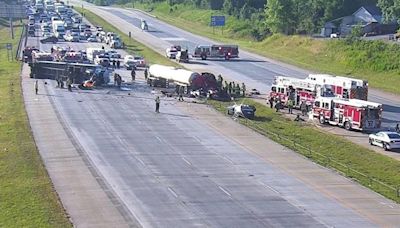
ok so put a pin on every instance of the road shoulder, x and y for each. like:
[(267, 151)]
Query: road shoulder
[(84, 199), (365, 202)]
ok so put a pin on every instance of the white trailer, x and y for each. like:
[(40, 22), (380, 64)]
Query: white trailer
[(58, 29), (91, 53), (160, 75)]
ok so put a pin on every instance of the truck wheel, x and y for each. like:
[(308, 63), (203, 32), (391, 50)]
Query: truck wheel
[(203, 57), (347, 125), (321, 119)]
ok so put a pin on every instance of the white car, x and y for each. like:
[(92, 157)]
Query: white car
[(386, 139), (172, 51)]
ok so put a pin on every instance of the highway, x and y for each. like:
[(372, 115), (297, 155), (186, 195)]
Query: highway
[(180, 169), (258, 72)]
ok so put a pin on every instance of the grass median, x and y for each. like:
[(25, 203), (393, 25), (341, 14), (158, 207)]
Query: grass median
[(375, 171), (132, 46), (27, 197)]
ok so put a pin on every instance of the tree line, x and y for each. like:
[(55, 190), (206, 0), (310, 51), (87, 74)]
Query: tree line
[(283, 16)]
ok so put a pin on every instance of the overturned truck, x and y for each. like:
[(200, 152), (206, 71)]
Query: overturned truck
[(78, 73), (161, 76)]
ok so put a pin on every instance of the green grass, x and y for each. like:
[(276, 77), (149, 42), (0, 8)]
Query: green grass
[(376, 62), (27, 197), (354, 161), (132, 46)]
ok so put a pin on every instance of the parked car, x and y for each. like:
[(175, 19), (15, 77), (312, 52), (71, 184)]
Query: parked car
[(51, 39), (242, 110), (385, 139)]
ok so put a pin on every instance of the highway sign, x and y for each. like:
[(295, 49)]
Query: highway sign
[(217, 21), (12, 11)]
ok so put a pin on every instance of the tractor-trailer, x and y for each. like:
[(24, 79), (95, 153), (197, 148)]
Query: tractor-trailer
[(160, 75)]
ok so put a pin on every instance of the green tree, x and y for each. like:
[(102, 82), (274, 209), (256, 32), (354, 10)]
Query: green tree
[(228, 7), (390, 10), (279, 16)]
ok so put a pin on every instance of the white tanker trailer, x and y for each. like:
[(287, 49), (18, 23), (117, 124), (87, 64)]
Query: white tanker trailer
[(160, 75)]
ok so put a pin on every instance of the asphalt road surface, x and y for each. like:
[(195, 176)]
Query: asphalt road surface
[(171, 170), (258, 72)]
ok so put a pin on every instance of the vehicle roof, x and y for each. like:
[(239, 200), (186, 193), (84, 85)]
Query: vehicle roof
[(388, 132)]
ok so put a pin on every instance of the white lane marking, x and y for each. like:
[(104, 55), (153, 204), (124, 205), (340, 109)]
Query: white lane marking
[(269, 187), (141, 161), (225, 191), (159, 139), (188, 162), (174, 39), (173, 192)]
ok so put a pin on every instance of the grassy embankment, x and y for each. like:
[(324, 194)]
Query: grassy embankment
[(132, 46), (376, 61), (27, 197), (337, 153), (332, 151)]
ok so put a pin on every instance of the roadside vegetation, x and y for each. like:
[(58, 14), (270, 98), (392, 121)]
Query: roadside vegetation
[(131, 46), (373, 170), (375, 61), (27, 197)]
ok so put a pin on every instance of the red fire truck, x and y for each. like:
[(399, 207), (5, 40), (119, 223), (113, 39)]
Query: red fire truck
[(299, 90), (342, 87), (348, 113), (216, 51)]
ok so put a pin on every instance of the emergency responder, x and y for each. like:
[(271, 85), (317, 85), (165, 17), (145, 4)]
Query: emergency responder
[(226, 86), (237, 90), (290, 106), (271, 102), (157, 100), (119, 80), (133, 74), (69, 85), (180, 93), (36, 87), (114, 63), (278, 104), (118, 63), (146, 72), (303, 108), (397, 129), (230, 88), (244, 89)]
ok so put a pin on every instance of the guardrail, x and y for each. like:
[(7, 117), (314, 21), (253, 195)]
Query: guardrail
[(326, 161), (20, 44)]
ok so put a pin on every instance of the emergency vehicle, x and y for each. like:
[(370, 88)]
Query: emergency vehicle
[(216, 51), (342, 87), (296, 89), (348, 113)]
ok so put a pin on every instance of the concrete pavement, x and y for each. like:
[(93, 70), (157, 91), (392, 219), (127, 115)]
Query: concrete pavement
[(88, 203)]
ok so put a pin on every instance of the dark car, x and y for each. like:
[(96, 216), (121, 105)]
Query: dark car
[(50, 39)]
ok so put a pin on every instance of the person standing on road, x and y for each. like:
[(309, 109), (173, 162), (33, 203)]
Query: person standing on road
[(133, 74), (36, 87), (146, 72), (157, 100), (118, 63), (397, 129)]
